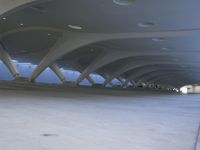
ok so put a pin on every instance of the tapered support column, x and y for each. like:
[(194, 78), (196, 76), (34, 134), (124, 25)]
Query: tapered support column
[(120, 80), (125, 84), (57, 71), (80, 69), (4, 56), (69, 42), (133, 83), (90, 80), (101, 60)]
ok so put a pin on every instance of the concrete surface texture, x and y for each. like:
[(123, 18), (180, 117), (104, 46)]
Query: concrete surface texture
[(115, 120)]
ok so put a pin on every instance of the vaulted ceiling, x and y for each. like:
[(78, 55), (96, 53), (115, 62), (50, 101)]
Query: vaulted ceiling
[(150, 41)]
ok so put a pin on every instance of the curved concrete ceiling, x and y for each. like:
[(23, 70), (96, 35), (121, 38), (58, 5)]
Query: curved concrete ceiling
[(102, 37), (145, 72)]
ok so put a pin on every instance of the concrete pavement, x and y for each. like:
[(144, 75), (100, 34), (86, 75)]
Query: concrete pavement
[(118, 120)]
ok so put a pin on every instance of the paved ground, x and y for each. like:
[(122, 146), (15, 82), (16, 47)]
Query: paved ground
[(41, 120)]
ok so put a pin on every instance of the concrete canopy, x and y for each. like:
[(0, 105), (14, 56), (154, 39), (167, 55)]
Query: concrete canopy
[(96, 36)]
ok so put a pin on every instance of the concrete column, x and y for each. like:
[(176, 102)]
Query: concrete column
[(120, 79), (80, 69), (69, 42), (54, 67), (106, 76), (4, 56), (99, 62)]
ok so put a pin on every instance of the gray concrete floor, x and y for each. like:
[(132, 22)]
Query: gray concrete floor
[(116, 120)]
